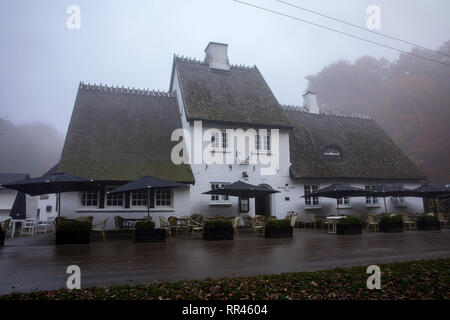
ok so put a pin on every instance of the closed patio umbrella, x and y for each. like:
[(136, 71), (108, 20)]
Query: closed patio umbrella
[(337, 191), (242, 190), (147, 183), (54, 183)]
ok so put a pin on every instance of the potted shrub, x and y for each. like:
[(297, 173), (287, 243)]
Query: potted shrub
[(2, 236), (144, 231), (278, 228), (219, 229), (391, 223), (349, 225), (428, 223), (73, 232)]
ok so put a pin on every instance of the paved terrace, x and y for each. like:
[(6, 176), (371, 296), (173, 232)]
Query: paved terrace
[(28, 264)]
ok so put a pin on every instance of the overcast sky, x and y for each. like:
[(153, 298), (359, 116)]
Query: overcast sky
[(132, 43)]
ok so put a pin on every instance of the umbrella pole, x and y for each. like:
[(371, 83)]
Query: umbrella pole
[(435, 207), (59, 204), (148, 204), (385, 210), (337, 203)]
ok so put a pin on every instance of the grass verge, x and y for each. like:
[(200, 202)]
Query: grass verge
[(425, 279)]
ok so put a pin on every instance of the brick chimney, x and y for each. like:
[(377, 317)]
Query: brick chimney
[(217, 56)]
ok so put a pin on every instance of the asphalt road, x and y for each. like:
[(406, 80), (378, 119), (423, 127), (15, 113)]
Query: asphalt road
[(28, 264)]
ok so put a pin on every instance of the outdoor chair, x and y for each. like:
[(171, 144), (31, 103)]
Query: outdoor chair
[(372, 223), (184, 224), (28, 227), (314, 220), (442, 220), (164, 224), (122, 225), (43, 226), (247, 220), (301, 222), (195, 226), (258, 224), (6, 226), (173, 222), (327, 224), (407, 221), (197, 217), (235, 222), (100, 228)]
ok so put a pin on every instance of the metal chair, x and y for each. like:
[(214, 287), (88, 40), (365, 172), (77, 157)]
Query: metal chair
[(42, 226), (372, 223), (258, 224), (28, 227), (100, 228), (123, 226), (195, 226), (164, 224)]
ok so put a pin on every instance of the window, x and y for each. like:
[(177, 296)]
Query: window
[(263, 142), (89, 198), (371, 200), (311, 201), (215, 141), (214, 197), (163, 198), (114, 199), (332, 151), (344, 201), (244, 205), (398, 201), (139, 198)]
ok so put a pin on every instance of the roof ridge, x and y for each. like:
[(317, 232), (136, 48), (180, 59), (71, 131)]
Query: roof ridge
[(202, 62), (327, 112), (123, 90)]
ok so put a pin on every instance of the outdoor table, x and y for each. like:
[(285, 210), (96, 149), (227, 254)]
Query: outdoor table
[(334, 220), (184, 224), (134, 220), (13, 225)]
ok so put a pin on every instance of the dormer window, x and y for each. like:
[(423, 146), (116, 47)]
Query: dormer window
[(332, 151)]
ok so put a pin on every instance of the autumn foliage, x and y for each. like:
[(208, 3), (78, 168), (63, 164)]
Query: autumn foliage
[(409, 98)]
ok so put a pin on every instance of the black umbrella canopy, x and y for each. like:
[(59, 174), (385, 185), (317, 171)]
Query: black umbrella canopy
[(337, 190), (391, 191), (241, 189), (147, 182), (432, 190), (54, 183)]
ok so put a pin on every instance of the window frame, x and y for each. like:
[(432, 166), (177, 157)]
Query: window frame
[(170, 198), (217, 197), (311, 201), (115, 195), (244, 205), (83, 201), (370, 200)]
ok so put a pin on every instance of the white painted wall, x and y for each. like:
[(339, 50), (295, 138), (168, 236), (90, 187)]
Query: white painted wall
[(47, 207)]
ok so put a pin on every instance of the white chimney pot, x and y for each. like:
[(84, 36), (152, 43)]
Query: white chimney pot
[(310, 102), (217, 56)]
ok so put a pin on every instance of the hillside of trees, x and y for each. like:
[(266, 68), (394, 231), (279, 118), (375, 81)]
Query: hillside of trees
[(409, 98), (31, 148)]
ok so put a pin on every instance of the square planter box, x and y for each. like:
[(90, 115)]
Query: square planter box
[(347, 229), (391, 228), (73, 237), (155, 235), (2, 238), (429, 226), (218, 234), (278, 232)]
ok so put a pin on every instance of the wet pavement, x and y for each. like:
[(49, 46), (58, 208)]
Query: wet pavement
[(28, 264)]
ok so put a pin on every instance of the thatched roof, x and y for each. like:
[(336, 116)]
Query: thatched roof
[(238, 96), (367, 152), (120, 134)]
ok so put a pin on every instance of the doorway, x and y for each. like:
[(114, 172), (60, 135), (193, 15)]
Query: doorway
[(263, 203)]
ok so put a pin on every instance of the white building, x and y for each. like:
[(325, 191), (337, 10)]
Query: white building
[(120, 134)]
